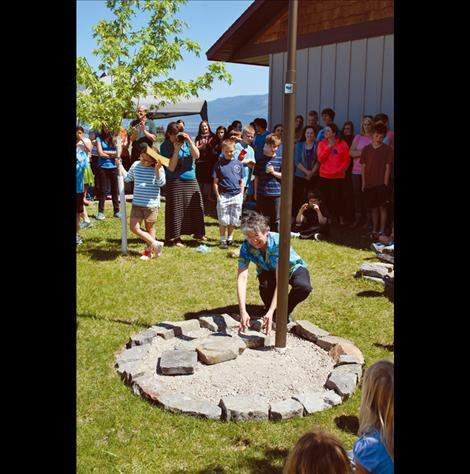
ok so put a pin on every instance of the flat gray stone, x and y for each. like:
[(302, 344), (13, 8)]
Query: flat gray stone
[(350, 368), (286, 409), (343, 383), (377, 269), (133, 354), (252, 339), (332, 398), (307, 330), (344, 359), (182, 328), (145, 337), (209, 323), (256, 324), (131, 370), (377, 280), (270, 341), (219, 322), (164, 330), (218, 350), (312, 402), (179, 362), (386, 258), (176, 402), (327, 342), (244, 408)]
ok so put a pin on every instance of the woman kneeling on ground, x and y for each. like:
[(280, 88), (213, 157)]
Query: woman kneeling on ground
[(262, 248)]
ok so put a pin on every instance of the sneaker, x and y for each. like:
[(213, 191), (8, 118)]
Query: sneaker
[(117, 215), (318, 237), (147, 255), (158, 246), (295, 234), (100, 216), (231, 243), (79, 240), (377, 247), (85, 224), (223, 244)]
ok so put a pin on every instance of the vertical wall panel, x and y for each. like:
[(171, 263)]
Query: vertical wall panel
[(351, 77), (327, 92), (342, 82), (387, 80), (302, 81), (270, 88), (356, 81), (314, 79), (373, 85), (277, 92)]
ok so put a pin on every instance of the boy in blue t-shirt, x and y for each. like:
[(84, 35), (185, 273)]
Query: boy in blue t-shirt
[(229, 187)]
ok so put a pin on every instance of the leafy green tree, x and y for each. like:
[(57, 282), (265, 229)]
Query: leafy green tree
[(139, 62)]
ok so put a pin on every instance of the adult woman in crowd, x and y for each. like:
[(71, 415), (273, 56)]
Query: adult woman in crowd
[(184, 212), (279, 132), (107, 169), (305, 168), (206, 161), (214, 147), (83, 146), (360, 141), (333, 155), (299, 128), (94, 158), (347, 132)]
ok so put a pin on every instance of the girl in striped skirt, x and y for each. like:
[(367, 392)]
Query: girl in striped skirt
[(184, 212)]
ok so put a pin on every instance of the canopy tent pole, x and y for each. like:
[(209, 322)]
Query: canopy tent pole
[(122, 202)]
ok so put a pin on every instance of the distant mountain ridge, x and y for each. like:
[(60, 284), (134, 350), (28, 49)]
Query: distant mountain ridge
[(245, 108)]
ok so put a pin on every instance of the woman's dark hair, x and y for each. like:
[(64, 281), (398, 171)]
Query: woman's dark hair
[(237, 124), (334, 128), (172, 128), (303, 138), (315, 194), (79, 128), (261, 122), (347, 138), (277, 125), (107, 137), (220, 127), (199, 132)]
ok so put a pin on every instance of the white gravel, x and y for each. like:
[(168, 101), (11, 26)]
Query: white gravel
[(303, 367)]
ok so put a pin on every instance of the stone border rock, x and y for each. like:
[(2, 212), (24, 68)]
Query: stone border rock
[(340, 384)]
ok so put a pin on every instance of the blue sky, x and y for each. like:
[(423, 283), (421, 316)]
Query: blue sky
[(207, 20)]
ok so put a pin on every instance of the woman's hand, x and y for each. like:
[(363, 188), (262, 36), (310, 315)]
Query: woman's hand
[(244, 321), (268, 322)]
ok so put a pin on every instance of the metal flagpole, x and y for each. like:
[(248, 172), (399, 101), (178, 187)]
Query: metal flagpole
[(122, 199), (287, 179)]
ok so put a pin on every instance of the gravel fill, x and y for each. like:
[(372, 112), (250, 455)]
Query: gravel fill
[(303, 367)]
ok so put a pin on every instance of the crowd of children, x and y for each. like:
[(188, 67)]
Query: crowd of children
[(339, 178)]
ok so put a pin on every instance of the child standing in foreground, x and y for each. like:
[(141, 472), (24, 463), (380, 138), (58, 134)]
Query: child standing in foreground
[(376, 160), (148, 179), (229, 187), (318, 453), (373, 452)]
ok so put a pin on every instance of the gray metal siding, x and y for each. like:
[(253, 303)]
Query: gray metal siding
[(353, 78)]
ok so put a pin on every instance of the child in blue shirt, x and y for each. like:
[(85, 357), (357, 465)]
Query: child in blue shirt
[(373, 452), (82, 146), (148, 178), (229, 187)]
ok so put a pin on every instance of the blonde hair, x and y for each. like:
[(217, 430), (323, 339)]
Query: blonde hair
[(366, 119), (228, 143), (377, 403), (248, 129), (317, 453)]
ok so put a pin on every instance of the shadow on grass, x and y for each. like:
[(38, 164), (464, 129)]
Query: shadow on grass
[(370, 293), (113, 320), (232, 310), (251, 465), (348, 423), (106, 254), (388, 347)]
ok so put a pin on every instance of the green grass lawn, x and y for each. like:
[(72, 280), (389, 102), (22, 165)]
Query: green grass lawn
[(118, 296)]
